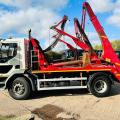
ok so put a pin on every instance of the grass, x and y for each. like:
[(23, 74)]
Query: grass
[(6, 118)]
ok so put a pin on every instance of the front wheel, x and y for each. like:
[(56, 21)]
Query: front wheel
[(19, 89), (100, 86)]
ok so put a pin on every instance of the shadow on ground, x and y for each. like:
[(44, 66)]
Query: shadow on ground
[(42, 94)]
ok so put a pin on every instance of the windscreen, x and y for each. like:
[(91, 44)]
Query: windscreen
[(7, 51)]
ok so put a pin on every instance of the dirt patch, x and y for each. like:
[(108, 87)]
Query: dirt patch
[(51, 112)]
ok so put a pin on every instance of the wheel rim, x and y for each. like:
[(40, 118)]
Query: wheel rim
[(100, 86), (18, 88)]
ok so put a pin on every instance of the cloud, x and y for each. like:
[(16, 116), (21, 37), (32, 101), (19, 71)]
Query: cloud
[(108, 6), (114, 19), (53, 5), (102, 6), (38, 15), (20, 21), (17, 3), (93, 38), (34, 3)]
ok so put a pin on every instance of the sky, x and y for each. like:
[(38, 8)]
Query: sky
[(18, 16)]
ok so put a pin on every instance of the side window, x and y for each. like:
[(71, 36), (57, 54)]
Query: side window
[(7, 51)]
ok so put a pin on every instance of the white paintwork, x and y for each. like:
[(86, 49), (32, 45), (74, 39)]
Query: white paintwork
[(19, 59), (22, 51), (61, 87), (63, 79)]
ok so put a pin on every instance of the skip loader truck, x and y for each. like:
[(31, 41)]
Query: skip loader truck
[(25, 68)]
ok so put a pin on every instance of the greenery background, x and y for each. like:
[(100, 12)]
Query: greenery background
[(115, 44)]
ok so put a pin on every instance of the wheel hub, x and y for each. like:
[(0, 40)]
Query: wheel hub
[(18, 89), (100, 86)]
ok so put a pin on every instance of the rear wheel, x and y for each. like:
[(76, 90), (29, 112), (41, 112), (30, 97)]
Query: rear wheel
[(19, 89), (100, 86)]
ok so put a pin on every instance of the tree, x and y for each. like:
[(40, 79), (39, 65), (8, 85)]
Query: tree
[(115, 44), (51, 55), (98, 47)]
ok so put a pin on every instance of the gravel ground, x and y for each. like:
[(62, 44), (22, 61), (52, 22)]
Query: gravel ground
[(79, 104)]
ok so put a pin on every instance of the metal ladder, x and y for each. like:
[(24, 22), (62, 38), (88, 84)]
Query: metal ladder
[(35, 60)]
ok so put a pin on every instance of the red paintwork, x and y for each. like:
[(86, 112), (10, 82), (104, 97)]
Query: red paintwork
[(41, 57), (83, 18), (108, 52), (76, 40), (68, 45), (47, 68)]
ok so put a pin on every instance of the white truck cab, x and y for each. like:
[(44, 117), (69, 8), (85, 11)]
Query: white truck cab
[(14, 57)]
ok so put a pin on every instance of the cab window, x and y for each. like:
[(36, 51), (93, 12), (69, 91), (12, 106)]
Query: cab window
[(7, 51)]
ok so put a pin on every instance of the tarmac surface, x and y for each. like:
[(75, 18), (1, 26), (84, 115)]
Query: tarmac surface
[(67, 105)]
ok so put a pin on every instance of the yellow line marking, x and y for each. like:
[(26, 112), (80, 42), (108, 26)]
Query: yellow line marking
[(69, 71), (103, 36), (117, 64), (117, 74)]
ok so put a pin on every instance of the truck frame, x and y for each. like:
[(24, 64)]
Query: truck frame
[(24, 66)]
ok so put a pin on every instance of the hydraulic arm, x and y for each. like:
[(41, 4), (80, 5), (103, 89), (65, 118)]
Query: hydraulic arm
[(80, 34), (108, 51), (58, 35), (77, 41)]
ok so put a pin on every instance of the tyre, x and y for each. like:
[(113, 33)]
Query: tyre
[(19, 89), (100, 86)]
